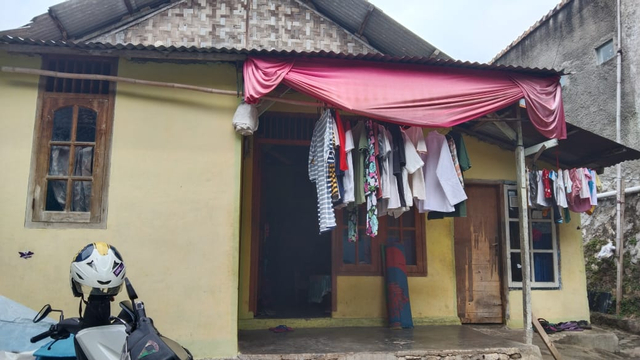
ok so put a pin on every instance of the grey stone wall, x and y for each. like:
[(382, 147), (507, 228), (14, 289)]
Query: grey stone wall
[(568, 41), (273, 24)]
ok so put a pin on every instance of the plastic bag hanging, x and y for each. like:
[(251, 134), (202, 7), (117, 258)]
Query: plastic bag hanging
[(245, 119)]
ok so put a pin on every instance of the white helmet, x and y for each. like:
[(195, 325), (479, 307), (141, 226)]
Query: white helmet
[(97, 269)]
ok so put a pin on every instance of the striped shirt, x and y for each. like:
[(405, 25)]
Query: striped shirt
[(320, 154)]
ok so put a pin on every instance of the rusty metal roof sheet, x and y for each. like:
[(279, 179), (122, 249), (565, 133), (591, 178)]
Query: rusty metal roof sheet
[(94, 48)]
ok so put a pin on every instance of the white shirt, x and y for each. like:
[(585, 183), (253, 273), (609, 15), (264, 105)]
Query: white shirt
[(414, 166), (442, 185), (347, 180), (559, 190), (394, 195)]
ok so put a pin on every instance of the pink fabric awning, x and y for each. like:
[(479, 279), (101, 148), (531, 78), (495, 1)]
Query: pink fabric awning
[(410, 94)]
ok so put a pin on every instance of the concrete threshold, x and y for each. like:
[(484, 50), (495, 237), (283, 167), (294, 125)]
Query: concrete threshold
[(421, 343)]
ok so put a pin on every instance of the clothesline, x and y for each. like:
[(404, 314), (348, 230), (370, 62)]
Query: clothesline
[(391, 170), (111, 78)]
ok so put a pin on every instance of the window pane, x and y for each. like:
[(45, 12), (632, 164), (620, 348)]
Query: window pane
[(514, 235), (364, 248), (59, 161), (409, 219), (512, 198), (409, 240), (516, 267), (605, 52), (81, 196), (541, 235), (393, 236), (62, 120), (56, 195), (393, 222), (541, 214), (348, 249), (84, 161), (362, 216), (543, 267), (86, 130)]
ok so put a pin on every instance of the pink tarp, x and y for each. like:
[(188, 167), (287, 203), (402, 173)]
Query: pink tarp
[(410, 94)]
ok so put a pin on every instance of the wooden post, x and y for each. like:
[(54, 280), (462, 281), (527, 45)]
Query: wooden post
[(524, 236), (620, 243)]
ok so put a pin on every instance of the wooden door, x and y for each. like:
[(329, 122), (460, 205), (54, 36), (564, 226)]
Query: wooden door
[(477, 252)]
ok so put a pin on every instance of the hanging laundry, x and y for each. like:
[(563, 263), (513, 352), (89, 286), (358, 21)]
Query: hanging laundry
[(399, 161), (465, 164), (414, 162), (371, 181), (384, 146), (394, 205), (576, 202), (546, 183), (559, 188), (342, 143), (333, 178), (360, 140), (349, 191), (441, 181), (352, 223), (320, 153), (593, 188)]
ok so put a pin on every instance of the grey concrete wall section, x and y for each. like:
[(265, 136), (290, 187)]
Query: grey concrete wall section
[(568, 41)]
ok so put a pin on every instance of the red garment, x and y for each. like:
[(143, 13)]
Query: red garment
[(410, 94), (546, 183), (576, 203), (342, 152)]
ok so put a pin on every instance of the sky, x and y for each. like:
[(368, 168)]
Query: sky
[(473, 30)]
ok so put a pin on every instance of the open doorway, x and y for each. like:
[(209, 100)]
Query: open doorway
[(294, 262)]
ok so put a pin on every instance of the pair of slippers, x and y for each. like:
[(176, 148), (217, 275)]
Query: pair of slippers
[(280, 329), (550, 328)]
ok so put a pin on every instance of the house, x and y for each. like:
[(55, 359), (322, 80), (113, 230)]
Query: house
[(219, 232), (580, 37)]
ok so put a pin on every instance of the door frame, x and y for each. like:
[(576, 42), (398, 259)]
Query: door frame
[(257, 214), (504, 284)]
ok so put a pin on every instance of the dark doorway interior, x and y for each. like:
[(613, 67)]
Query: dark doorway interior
[(295, 262)]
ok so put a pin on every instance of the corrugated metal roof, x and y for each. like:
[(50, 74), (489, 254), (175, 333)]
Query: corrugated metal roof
[(581, 148), (93, 47), (81, 17), (382, 31), (533, 27)]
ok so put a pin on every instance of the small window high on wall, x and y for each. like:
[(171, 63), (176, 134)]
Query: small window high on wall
[(543, 245), (69, 177), (605, 52)]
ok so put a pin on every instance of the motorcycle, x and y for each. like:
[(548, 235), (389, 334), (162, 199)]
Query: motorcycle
[(99, 336)]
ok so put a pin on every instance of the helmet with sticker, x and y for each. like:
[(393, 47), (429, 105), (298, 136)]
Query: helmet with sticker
[(97, 269)]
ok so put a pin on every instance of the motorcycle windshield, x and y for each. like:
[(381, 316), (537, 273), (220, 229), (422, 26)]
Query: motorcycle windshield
[(95, 291)]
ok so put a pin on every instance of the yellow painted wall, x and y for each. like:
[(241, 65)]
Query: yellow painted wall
[(174, 203), (361, 299), (568, 303)]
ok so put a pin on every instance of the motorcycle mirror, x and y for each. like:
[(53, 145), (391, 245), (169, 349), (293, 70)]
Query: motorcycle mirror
[(130, 291), (46, 310)]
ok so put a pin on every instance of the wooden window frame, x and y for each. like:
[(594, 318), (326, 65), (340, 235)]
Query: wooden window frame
[(36, 216), (376, 268), (555, 247)]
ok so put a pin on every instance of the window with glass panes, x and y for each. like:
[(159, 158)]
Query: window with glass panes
[(73, 132), (364, 256), (543, 244)]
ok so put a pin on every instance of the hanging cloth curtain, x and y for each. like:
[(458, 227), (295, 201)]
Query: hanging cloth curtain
[(411, 94)]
